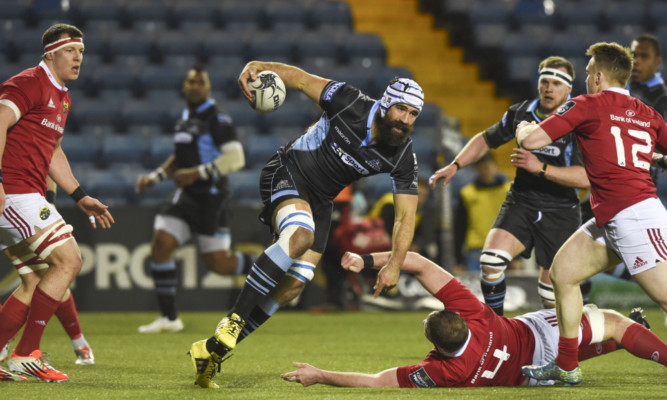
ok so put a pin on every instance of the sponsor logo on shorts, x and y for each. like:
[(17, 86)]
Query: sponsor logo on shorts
[(565, 107), (421, 379), (639, 263), (328, 95), (44, 213)]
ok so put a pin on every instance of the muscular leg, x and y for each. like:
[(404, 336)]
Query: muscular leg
[(287, 290), (499, 249), (580, 258), (64, 264), (654, 282), (163, 270)]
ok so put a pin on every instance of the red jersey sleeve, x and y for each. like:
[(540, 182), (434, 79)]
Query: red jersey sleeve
[(17, 91), (565, 119)]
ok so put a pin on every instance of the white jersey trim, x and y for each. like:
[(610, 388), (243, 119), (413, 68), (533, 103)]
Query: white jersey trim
[(13, 107)]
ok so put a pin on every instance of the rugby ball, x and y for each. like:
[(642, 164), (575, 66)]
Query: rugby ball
[(268, 92)]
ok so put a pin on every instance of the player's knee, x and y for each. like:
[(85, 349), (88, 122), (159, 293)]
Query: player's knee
[(302, 271), (162, 247), (300, 241), (296, 230), (493, 263)]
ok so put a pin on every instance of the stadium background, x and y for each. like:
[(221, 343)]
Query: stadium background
[(472, 57)]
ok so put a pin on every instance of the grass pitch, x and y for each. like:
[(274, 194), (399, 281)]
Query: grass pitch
[(130, 365)]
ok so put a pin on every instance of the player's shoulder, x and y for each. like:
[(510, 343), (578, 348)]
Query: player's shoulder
[(520, 106)]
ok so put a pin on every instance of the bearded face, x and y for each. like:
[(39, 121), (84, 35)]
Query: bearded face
[(392, 131)]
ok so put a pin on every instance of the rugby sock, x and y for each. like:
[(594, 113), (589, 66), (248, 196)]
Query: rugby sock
[(567, 353), (268, 270), (244, 263), (69, 318), (164, 276), (494, 294), (12, 317), (79, 342), (643, 343), (597, 349), (42, 308)]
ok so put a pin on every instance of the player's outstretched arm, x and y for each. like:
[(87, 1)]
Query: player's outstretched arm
[(469, 154), (308, 375), (430, 275), (293, 77)]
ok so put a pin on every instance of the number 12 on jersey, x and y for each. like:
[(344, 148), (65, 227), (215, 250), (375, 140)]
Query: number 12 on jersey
[(636, 147)]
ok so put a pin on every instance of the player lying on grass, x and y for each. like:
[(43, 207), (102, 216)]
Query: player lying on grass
[(476, 347)]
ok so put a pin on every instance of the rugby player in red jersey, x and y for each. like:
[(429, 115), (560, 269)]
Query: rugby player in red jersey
[(617, 135)]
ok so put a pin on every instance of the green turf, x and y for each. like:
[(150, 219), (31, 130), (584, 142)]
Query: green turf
[(138, 366)]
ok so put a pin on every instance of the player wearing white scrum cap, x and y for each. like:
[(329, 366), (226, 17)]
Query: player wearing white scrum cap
[(355, 137)]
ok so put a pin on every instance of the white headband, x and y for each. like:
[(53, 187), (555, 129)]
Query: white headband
[(553, 73), (60, 43), (405, 91)]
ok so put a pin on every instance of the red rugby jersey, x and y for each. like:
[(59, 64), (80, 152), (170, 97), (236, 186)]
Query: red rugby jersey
[(497, 349), (44, 106), (616, 134)]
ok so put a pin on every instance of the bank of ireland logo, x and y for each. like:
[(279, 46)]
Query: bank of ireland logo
[(44, 213)]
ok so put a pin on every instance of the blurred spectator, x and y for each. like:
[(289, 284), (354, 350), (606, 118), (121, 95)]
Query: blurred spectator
[(477, 208)]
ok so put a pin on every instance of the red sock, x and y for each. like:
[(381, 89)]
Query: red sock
[(42, 308), (69, 318), (12, 318), (568, 349), (643, 343), (587, 351)]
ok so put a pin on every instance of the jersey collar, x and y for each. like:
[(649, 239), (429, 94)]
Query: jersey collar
[(202, 107), (458, 352), (51, 78), (369, 123), (618, 90), (532, 108)]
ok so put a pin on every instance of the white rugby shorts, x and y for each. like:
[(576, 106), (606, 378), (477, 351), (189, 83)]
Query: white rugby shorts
[(637, 234), (24, 212)]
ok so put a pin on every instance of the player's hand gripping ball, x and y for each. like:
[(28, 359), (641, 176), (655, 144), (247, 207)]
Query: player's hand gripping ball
[(268, 92)]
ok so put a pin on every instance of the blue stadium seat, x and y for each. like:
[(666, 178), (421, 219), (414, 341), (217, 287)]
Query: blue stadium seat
[(533, 11), (160, 148), (244, 186), (109, 186), (563, 44), (292, 113), (580, 13), (429, 116), (489, 35), (622, 13), (98, 9), (147, 10), (364, 49), (518, 44), (318, 45), (282, 14), (243, 115), (196, 12), (162, 77), (260, 149), (425, 151), (96, 112), (497, 12), (656, 15), (227, 43), (124, 148), (245, 12), (361, 78), (524, 68), (81, 148), (176, 43), (127, 42), (142, 112), (271, 46), (327, 13)]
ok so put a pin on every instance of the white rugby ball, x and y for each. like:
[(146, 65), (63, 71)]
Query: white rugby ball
[(268, 92)]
